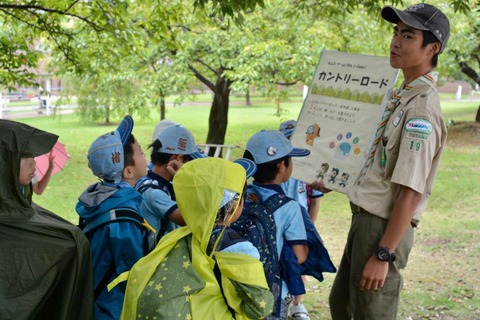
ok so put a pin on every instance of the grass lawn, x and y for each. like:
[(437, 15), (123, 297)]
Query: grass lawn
[(442, 280)]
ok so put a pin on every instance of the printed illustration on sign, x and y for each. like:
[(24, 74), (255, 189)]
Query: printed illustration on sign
[(345, 145), (322, 172), (313, 132), (332, 178)]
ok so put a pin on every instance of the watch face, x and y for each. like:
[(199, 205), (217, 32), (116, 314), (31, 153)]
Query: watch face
[(383, 254)]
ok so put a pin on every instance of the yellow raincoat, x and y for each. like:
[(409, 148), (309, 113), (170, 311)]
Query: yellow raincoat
[(176, 280)]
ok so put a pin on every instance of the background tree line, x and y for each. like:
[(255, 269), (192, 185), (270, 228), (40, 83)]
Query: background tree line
[(127, 56)]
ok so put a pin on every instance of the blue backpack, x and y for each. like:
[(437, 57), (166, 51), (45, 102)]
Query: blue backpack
[(257, 225)]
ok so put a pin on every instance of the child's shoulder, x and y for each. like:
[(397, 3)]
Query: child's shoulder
[(260, 193)]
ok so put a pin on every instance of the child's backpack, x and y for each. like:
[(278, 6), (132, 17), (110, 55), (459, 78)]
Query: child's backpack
[(257, 225), (167, 295), (119, 215)]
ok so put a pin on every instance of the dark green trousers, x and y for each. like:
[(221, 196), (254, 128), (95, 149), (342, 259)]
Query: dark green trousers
[(346, 300)]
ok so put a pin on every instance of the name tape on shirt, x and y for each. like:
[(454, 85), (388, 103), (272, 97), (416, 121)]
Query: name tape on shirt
[(419, 125)]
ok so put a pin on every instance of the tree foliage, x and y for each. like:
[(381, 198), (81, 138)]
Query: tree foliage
[(156, 49)]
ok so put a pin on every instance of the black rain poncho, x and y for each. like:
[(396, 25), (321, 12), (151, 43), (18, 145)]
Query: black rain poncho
[(45, 264)]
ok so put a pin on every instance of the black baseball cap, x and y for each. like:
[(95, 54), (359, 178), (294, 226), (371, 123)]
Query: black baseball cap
[(421, 16)]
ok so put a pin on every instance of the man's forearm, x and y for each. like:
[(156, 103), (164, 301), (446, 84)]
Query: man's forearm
[(401, 217)]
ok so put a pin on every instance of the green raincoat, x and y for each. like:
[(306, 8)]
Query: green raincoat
[(177, 279), (45, 267)]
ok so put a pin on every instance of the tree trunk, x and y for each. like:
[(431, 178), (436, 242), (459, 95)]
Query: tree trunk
[(107, 114), (477, 118), (162, 107), (277, 101), (247, 98), (218, 119)]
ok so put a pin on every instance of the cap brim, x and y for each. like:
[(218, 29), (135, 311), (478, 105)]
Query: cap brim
[(394, 15), (297, 152), (198, 155), (40, 142), (249, 166), (125, 129), (288, 134)]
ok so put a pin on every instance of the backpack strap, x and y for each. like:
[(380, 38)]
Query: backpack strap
[(111, 216), (159, 185)]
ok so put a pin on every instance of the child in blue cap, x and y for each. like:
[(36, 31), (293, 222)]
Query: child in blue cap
[(110, 216), (172, 147), (272, 153), (310, 200)]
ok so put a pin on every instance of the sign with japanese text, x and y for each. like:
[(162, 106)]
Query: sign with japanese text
[(339, 117)]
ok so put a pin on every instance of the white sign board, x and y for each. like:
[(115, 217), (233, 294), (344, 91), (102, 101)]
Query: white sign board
[(339, 117)]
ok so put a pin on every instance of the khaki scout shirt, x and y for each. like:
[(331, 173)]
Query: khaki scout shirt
[(412, 145)]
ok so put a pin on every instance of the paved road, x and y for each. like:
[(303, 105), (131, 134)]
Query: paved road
[(32, 112)]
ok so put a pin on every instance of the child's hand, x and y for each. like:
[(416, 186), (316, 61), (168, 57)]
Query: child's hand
[(318, 185), (173, 166), (51, 159)]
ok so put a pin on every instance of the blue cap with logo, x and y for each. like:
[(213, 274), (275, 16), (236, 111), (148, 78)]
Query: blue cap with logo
[(287, 128), (106, 156), (270, 145), (176, 139), (165, 123)]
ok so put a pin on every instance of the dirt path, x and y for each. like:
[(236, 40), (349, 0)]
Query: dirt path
[(464, 134)]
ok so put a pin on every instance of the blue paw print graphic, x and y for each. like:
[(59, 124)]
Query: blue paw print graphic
[(345, 145)]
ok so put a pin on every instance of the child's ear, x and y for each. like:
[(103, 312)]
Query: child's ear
[(127, 173), (281, 167)]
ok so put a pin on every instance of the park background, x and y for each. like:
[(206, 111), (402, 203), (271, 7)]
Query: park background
[(151, 59)]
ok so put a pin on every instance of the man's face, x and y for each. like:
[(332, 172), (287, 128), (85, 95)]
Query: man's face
[(27, 171), (406, 50)]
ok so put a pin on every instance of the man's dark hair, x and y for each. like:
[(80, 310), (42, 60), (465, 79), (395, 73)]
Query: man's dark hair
[(266, 172), (128, 152), (161, 158), (428, 38)]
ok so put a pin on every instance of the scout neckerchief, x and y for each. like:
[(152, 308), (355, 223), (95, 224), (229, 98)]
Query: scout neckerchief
[(394, 101)]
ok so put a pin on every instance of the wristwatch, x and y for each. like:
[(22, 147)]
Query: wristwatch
[(384, 254)]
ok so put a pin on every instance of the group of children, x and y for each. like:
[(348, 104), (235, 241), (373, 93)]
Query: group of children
[(137, 221)]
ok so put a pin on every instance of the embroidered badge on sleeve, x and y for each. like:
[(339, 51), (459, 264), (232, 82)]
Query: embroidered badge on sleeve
[(418, 128)]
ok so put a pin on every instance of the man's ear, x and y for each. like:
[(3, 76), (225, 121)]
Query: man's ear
[(435, 48)]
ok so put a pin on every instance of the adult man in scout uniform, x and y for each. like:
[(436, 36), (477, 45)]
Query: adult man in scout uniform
[(387, 202)]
